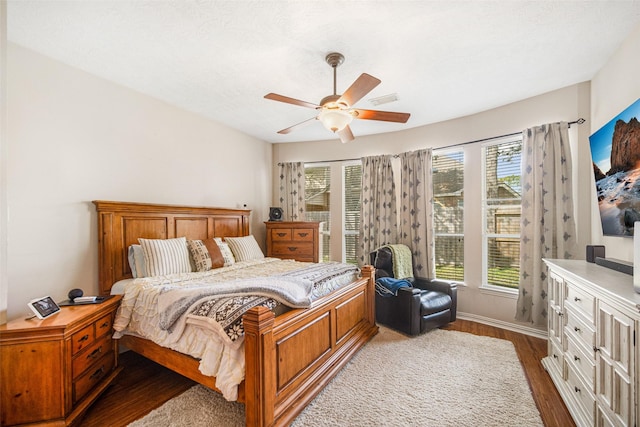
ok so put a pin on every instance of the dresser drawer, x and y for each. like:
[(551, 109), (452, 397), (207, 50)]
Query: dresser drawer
[(289, 249), (584, 363), (579, 330), (83, 338), (556, 355), (280, 234), (83, 360), (581, 393), (581, 300), (302, 235), (93, 376)]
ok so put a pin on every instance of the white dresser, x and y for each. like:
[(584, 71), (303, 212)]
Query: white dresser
[(594, 314)]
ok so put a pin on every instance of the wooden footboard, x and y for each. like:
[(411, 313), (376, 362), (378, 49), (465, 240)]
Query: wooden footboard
[(290, 359)]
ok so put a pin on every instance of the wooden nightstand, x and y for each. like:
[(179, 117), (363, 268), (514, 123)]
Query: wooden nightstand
[(53, 369), (297, 240)]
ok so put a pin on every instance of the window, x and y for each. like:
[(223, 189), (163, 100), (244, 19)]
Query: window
[(448, 214), (501, 212), (317, 187), (352, 188)]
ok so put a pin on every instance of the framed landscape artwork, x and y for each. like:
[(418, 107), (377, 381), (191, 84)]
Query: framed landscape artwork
[(615, 154)]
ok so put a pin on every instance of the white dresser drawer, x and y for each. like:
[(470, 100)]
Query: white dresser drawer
[(578, 329), (584, 363), (581, 300), (581, 393)]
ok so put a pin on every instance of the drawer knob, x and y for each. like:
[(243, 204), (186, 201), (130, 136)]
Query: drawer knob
[(98, 373), (576, 358), (281, 234), (105, 325), (303, 234), (576, 299), (596, 349), (95, 353), (555, 356), (84, 338), (577, 389), (292, 248), (575, 328)]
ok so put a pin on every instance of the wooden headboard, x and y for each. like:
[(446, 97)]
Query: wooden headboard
[(120, 224)]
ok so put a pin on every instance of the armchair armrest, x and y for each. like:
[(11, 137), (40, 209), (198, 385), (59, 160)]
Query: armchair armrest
[(443, 286)]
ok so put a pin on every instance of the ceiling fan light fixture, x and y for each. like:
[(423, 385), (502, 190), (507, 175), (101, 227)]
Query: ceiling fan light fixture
[(335, 119)]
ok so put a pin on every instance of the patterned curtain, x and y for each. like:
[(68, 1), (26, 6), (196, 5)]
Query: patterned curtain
[(416, 210), (292, 191), (378, 216), (547, 223)]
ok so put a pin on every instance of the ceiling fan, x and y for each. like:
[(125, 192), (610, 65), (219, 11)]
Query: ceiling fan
[(336, 111)]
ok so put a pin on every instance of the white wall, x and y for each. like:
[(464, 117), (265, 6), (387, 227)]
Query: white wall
[(613, 89), (565, 104), (74, 138), (4, 287)]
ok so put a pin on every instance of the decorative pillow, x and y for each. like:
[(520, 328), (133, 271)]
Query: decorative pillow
[(199, 255), (217, 260), (226, 252), (136, 261), (166, 256), (244, 248)]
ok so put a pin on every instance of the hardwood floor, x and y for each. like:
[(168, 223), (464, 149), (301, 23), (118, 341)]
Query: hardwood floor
[(144, 385)]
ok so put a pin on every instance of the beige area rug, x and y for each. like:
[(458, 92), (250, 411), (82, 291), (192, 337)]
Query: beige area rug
[(442, 378)]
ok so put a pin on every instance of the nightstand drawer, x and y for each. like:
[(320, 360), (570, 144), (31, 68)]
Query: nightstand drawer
[(90, 355), (104, 326), (93, 376), (302, 235), (82, 339), (288, 249)]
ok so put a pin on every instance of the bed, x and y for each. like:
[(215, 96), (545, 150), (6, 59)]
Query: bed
[(288, 358)]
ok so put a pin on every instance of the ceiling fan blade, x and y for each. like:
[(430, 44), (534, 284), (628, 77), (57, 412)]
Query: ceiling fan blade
[(386, 116), (281, 98), (362, 86), (345, 134), (289, 129)]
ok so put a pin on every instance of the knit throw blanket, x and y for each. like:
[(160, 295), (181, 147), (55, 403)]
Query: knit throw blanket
[(402, 261)]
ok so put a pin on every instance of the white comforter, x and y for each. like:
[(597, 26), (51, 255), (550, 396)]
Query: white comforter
[(139, 315)]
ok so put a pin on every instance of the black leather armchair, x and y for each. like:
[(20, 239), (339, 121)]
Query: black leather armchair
[(427, 305)]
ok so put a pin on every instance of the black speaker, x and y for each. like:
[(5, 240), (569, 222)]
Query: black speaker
[(594, 251), (75, 293), (275, 214)]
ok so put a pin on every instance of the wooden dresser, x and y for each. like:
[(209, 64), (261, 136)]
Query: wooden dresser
[(593, 358), (53, 369), (297, 240)]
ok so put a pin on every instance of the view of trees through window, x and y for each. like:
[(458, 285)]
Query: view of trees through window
[(352, 189), (501, 212), (317, 188), (448, 214)]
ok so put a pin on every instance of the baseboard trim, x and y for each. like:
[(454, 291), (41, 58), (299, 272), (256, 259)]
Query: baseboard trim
[(503, 325)]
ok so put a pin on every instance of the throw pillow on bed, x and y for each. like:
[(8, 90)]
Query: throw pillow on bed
[(165, 256), (199, 255), (226, 252), (244, 248)]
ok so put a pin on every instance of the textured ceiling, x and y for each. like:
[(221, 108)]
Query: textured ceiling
[(444, 59)]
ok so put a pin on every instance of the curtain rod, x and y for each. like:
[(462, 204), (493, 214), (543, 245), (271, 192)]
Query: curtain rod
[(578, 121)]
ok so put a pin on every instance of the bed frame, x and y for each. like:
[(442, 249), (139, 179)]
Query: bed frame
[(290, 358)]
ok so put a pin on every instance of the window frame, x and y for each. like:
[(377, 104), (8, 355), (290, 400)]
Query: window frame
[(444, 152), (346, 232), (486, 236)]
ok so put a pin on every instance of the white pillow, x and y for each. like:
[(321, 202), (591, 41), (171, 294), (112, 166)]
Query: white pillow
[(244, 248), (226, 252), (166, 256), (136, 261)]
